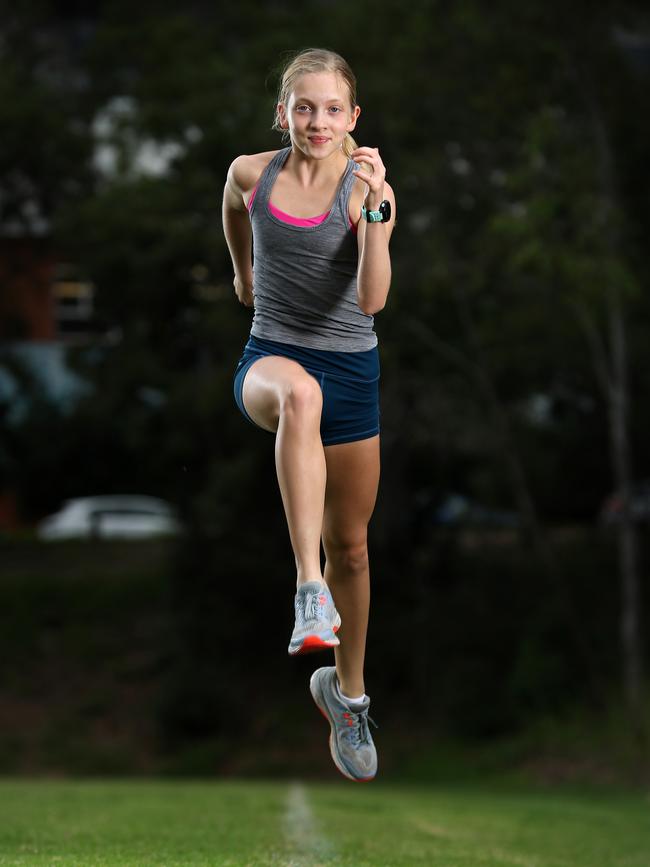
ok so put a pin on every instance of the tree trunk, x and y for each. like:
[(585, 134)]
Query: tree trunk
[(612, 373), (477, 369), (632, 655)]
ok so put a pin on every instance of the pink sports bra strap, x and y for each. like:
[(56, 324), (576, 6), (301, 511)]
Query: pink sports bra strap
[(288, 218)]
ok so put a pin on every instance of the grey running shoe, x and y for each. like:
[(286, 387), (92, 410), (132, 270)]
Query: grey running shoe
[(351, 743), (317, 619)]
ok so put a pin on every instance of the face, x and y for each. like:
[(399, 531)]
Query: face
[(318, 114)]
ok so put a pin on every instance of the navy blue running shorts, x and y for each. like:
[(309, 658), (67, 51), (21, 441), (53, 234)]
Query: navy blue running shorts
[(349, 382)]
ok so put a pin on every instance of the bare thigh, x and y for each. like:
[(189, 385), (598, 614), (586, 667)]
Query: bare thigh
[(351, 492), (269, 381)]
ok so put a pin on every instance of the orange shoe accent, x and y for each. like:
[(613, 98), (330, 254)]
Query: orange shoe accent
[(311, 644), (346, 776)]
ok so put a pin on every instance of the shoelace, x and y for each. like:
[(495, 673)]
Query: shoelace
[(359, 733), (313, 608)]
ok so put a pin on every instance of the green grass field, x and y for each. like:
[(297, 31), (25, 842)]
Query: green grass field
[(70, 823)]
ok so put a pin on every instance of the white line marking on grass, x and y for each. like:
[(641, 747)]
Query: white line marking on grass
[(307, 844)]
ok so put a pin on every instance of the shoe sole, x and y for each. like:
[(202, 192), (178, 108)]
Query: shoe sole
[(314, 643), (340, 767)]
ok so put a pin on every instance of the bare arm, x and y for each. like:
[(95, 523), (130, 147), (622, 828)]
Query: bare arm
[(374, 272), (239, 236)]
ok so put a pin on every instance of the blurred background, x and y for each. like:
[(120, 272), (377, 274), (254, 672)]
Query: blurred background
[(143, 549)]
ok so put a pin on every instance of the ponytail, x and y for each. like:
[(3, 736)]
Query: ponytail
[(349, 145)]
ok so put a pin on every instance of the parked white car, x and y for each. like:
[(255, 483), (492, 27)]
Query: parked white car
[(118, 516)]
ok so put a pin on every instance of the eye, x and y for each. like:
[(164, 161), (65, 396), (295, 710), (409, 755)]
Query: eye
[(336, 109), (303, 109)]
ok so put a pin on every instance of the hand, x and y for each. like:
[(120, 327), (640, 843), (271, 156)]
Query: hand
[(244, 291), (374, 178)]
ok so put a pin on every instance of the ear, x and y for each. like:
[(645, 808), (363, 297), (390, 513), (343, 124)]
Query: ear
[(282, 115), (353, 120)]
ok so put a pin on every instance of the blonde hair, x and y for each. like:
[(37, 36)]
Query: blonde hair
[(316, 60)]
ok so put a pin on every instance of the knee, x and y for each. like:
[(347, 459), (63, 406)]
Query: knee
[(302, 399), (348, 557)]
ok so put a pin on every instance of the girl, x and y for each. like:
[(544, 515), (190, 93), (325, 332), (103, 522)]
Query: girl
[(310, 371)]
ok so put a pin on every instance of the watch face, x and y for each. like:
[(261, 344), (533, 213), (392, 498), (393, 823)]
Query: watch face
[(385, 211)]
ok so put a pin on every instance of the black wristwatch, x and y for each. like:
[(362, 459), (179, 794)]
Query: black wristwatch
[(381, 215)]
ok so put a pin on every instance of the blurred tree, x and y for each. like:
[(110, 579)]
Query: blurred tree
[(502, 254), (508, 276), (573, 232), (44, 146)]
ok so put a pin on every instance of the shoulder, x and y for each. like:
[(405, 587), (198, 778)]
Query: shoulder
[(244, 171)]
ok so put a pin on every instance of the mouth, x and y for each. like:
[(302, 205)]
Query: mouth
[(318, 139)]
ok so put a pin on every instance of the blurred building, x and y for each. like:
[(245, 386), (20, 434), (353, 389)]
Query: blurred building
[(44, 306), (41, 299)]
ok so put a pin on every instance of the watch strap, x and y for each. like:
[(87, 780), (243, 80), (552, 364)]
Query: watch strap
[(381, 215), (372, 216)]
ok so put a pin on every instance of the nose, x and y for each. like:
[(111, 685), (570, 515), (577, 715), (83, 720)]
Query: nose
[(318, 118)]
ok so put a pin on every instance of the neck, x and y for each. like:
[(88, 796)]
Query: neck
[(309, 171)]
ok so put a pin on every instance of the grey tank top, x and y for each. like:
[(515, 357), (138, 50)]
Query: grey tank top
[(305, 277)]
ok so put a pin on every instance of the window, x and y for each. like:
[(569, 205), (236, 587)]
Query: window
[(73, 301)]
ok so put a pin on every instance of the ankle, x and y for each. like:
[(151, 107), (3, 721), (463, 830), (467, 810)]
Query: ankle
[(305, 576), (351, 691)]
